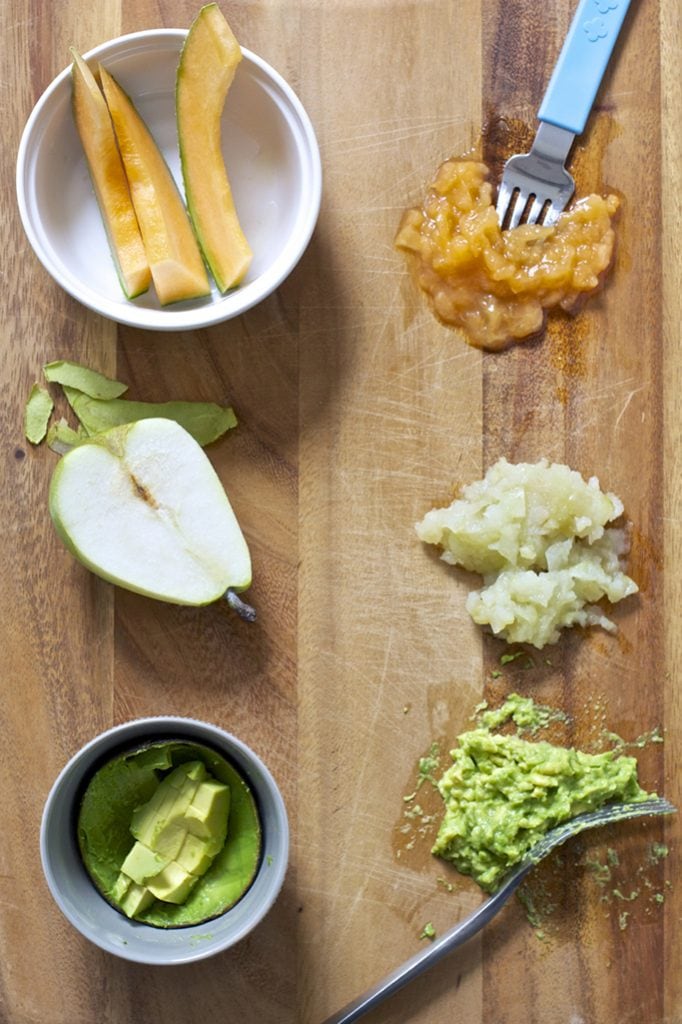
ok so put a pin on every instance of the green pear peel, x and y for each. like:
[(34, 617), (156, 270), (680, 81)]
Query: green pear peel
[(82, 378), (37, 414)]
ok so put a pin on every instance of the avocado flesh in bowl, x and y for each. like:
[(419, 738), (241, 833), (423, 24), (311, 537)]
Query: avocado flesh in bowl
[(129, 780)]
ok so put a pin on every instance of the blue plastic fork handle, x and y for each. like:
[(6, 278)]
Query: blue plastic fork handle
[(582, 62)]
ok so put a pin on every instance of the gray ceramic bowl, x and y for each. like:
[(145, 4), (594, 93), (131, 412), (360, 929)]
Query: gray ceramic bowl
[(90, 913)]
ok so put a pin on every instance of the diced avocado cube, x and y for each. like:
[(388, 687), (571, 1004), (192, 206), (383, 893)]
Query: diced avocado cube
[(196, 855), (170, 839), (160, 794), (179, 831), (141, 864), (145, 818), (173, 884), (207, 815), (163, 829), (137, 899), (121, 886), (194, 770), (186, 792), (168, 804)]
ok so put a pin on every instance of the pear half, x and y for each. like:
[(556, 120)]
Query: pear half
[(141, 506)]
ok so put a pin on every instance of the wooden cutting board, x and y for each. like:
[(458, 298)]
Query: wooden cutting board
[(358, 412)]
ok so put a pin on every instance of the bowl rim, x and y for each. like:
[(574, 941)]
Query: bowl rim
[(106, 744), (203, 314)]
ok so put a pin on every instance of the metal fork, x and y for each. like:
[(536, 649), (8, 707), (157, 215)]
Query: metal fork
[(463, 931), (538, 182)]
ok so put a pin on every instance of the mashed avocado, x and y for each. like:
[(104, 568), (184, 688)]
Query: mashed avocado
[(502, 793)]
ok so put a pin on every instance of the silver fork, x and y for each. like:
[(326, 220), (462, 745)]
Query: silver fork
[(463, 931), (538, 182)]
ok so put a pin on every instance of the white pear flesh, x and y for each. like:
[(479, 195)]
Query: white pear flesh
[(141, 506)]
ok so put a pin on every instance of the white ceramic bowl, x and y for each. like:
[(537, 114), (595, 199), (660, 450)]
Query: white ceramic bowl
[(89, 912), (271, 155)]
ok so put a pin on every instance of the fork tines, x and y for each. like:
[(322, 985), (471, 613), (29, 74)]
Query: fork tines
[(535, 186)]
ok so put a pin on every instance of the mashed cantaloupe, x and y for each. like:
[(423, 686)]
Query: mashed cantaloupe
[(538, 535), (496, 285)]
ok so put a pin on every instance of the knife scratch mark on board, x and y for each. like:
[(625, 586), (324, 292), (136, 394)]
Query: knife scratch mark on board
[(403, 378), (401, 881), (627, 403), (613, 395), (392, 130), (388, 253), (371, 719)]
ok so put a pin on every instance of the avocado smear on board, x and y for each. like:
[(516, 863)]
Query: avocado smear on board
[(502, 793), (127, 824)]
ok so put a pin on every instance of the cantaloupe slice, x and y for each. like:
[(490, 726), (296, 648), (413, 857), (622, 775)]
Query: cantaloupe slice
[(109, 180), (207, 67), (177, 268)]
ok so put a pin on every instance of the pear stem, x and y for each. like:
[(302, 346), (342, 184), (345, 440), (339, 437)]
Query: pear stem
[(243, 610)]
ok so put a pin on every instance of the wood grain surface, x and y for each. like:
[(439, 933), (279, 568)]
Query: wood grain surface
[(358, 411)]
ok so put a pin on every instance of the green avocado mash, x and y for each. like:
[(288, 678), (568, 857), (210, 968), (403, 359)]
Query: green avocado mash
[(502, 793), (105, 839), (523, 712)]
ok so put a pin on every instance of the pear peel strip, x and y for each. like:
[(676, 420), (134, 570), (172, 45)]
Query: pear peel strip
[(61, 437), (96, 401), (205, 421), (37, 413), (90, 382)]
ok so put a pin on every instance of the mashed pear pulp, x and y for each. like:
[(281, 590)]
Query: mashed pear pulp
[(538, 535)]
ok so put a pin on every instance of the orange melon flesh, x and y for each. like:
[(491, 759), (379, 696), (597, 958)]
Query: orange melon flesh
[(176, 265), (109, 180), (207, 67)]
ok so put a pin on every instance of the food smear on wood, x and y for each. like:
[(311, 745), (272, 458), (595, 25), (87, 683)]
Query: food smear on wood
[(497, 286), (538, 533)]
